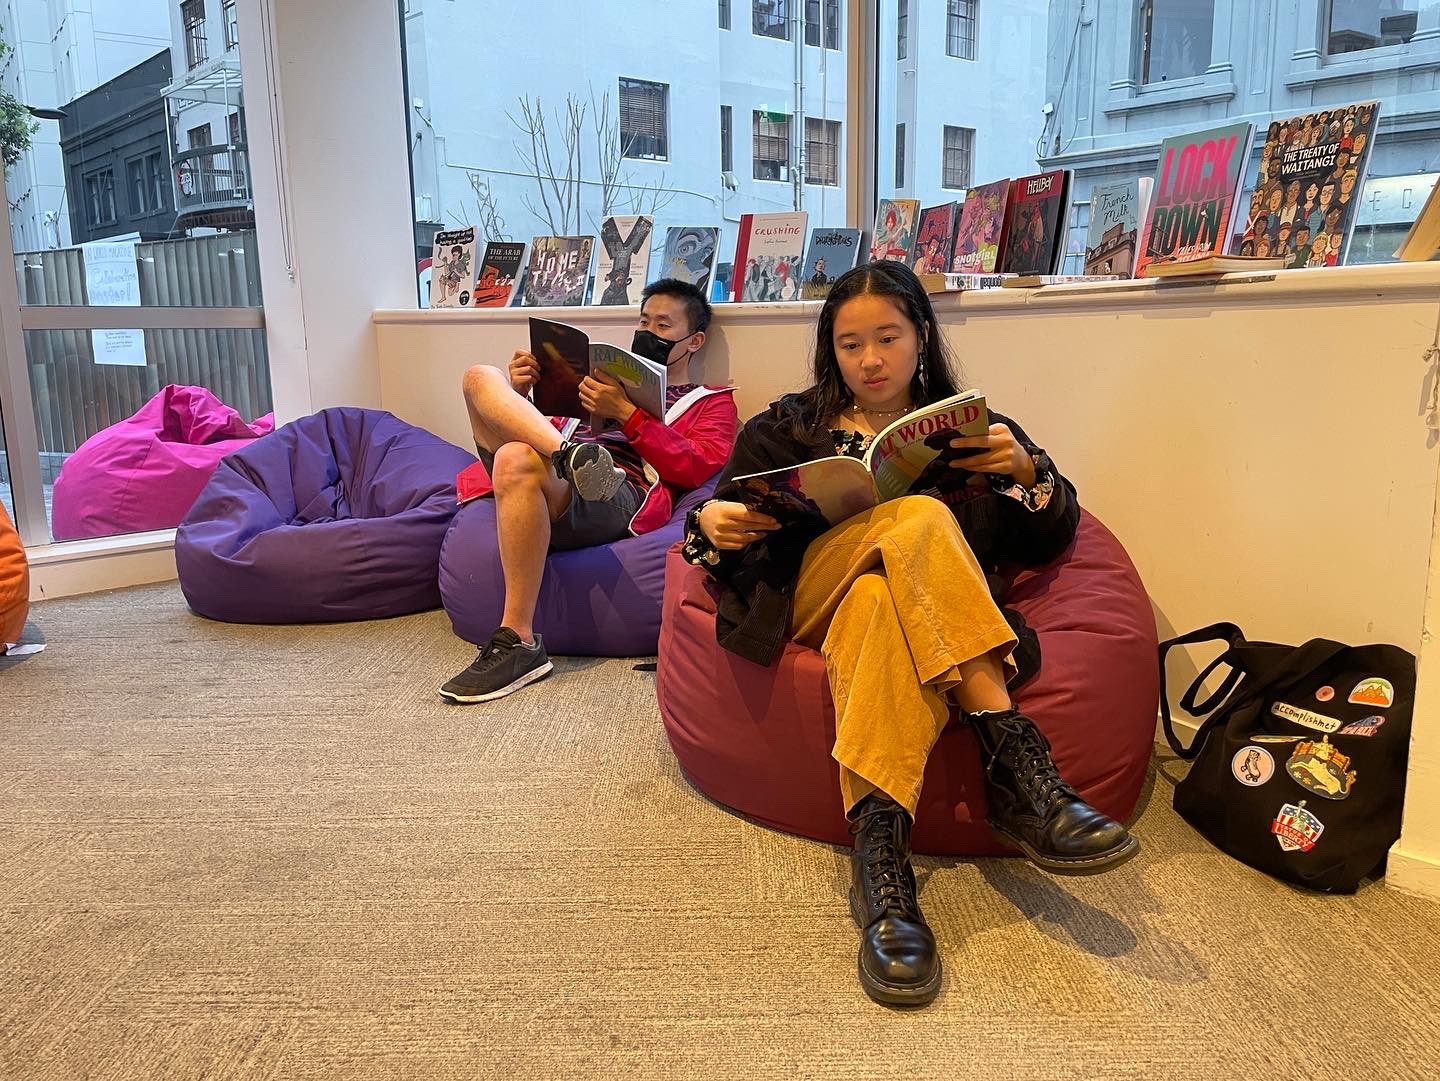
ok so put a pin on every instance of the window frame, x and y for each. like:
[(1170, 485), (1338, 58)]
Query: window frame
[(662, 139), (829, 151), (902, 30), (197, 44), (92, 221), (1144, 21), (966, 148), (828, 12), (783, 139), (899, 155), (230, 19), (960, 14), (727, 139), (775, 17), (724, 14), (137, 181), (1327, 32)]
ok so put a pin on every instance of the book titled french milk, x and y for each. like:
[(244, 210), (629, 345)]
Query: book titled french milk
[(1115, 214)]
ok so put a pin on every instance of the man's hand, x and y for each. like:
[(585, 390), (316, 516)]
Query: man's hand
[(524, 371), (602, 395), (731, 526), (999, 453)]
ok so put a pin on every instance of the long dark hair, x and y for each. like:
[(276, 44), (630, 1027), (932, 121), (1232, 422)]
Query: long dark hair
[(936, 375)]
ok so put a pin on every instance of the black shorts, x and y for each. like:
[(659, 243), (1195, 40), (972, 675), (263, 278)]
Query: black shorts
[(586, 522)]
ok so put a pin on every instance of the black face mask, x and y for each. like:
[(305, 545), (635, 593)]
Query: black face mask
[(651, 346)]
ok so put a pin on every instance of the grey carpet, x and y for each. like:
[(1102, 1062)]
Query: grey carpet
[(246, 853)]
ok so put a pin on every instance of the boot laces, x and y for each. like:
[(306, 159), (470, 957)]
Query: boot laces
[(1027, 752), (887, 876)]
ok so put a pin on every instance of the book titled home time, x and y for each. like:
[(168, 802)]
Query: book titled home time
[(979, 235), (1307, 186), (1034, 237), (622, 259), (499, 271), (567, 355), (910, 456), (831, 253), (452, 268), (689, 255), (768, 256), (1195, 187), (558, 272)]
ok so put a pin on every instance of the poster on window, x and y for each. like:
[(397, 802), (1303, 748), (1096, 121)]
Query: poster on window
[(113, 279)]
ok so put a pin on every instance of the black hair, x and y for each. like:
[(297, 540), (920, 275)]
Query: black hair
[(697, 308), (936, 375)]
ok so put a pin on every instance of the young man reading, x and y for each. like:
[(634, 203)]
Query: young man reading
[(596, 487)]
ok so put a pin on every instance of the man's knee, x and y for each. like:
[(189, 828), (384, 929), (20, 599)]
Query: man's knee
[(517, 465), (482, 379)]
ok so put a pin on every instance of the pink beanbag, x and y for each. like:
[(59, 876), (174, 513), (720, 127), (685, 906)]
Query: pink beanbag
[(145, 472), (758, 739)]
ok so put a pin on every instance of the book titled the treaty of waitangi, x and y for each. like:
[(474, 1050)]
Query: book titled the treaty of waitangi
[(622, 259), (831, 253), (767, 256), (911, 456), (934, 239), (1034, 223), (894, 230), (567, 355), (452, 268), (1195, 187), (499, 271), (1116, 211), (1307, 190), (981, 229), (558, 271)]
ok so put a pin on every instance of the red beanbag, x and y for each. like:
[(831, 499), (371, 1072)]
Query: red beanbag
[(758, 739), (14, 581)]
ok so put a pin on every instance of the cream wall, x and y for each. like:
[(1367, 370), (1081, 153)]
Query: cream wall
[(1259, 446)]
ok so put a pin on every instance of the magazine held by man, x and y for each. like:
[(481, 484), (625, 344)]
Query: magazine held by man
[(911, 456), (567, 355)]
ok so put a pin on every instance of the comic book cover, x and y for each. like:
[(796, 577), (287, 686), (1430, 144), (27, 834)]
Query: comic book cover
[(1195, 186), (1034, 223), (622, 259), (934, 239), (1307, 190), (1116, 211), (452, 268), (690, 252), (980, 232), (894, 230), (566, 355), (831, 253), (499, 271), (558, 271), (767, 256)]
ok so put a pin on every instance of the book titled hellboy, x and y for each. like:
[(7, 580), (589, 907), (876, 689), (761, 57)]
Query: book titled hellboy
[(912, 455), (499, 271), (1034, 236), (831, 253), (1194, 194), (767, 256)]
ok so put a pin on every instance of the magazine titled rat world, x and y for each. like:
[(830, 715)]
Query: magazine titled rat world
[(911, 456)]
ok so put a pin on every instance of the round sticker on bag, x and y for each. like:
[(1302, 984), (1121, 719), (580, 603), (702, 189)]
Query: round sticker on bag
[(1324, 694), (1252, 766)]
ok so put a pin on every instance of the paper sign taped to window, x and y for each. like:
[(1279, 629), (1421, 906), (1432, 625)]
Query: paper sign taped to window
[(119, 347)]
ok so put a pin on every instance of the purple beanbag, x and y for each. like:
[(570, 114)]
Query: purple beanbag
[(144, 472), (599, 602), (759, 739), (336, 516)]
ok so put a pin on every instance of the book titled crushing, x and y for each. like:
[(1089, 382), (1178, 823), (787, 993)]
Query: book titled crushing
[(911, 456)]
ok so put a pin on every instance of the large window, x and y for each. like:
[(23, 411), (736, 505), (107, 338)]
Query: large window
[(959, 155), (100, 197), (822, 151), (232, 24), (772, 18), (192, 17), (772, 146), (1175, 38), (826, 19), (643, 120), (960, 29), (1368, 24)]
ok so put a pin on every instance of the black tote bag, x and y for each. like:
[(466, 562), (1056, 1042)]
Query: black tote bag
[(1300, 771)]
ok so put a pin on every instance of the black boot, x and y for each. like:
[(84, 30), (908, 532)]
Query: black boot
[(899, 964), (1033, 808)]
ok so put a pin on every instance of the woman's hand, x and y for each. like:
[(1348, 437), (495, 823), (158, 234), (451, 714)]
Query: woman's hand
[(731, 526), (999, 453), (602, 395), (524, 371)]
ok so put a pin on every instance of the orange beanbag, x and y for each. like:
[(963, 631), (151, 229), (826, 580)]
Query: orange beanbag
[(14, 581)]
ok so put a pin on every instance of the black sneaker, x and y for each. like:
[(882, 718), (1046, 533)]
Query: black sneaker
[(589, 469), (504, 665)]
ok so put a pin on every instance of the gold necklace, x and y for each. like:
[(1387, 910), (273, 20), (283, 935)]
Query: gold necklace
[(881, 412)]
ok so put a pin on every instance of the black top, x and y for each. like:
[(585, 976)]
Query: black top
[(757, 583)]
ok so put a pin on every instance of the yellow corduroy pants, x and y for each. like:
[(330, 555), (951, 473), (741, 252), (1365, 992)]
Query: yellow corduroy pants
[(895, 601)]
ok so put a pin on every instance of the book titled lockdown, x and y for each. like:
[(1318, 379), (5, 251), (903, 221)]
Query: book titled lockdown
[(567, 355), (1194, 194), (910, 456)]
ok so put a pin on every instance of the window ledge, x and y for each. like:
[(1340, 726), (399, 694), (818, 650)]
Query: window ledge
[(1386, 60), (1196, 91)]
